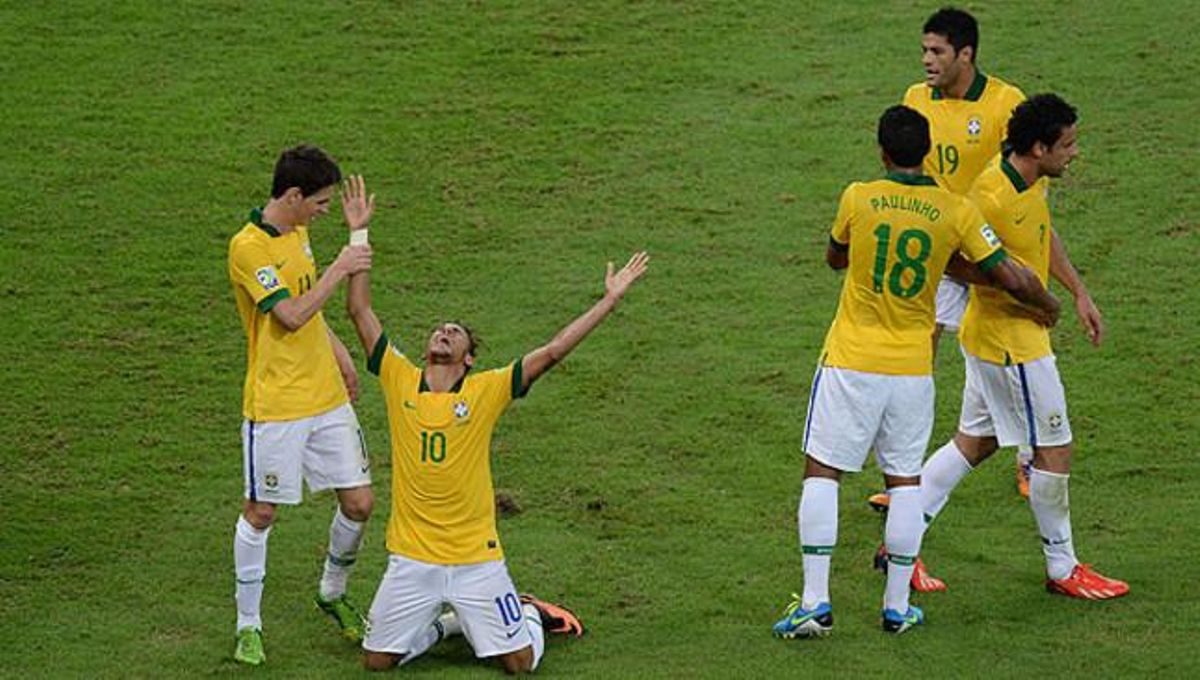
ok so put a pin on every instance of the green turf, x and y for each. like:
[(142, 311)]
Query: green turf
[(515, 147)]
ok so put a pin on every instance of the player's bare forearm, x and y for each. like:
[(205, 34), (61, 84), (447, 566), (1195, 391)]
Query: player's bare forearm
[(543, 358), (963, 270), (1061, 268), (358, 304), (1065, 273), (1025, 286), (345, 363), (293, 313)]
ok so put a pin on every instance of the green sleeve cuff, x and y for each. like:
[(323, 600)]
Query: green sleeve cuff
[(989, 263), (838, 245), (265, 304), (518, 390), (376, 358)]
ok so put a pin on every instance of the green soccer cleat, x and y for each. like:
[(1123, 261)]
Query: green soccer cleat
[(346, 615), (249, 647)]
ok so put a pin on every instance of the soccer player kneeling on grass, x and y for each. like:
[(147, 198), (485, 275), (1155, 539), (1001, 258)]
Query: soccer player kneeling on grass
[(299, 424), (1013, 393), (442, 530), (874, 385)]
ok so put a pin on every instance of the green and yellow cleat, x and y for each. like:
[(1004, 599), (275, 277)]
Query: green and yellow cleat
[(345, 615), (249, 647)]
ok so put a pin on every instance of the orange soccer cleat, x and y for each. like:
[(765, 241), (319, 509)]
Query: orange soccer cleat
[(921, 581), (1087, 584), (1023, 468), (555, 618), (879, 502)]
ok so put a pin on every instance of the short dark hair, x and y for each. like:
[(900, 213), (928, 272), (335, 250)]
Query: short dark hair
[(306, 167), (1041, 118), (957, 26), (904, 136)]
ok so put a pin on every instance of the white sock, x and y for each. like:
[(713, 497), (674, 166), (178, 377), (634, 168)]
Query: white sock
[(1050, 502), (818, 520), (902, 537), (250, 568), (942, 472), (1025, 454), (537, 636), (345, 537)]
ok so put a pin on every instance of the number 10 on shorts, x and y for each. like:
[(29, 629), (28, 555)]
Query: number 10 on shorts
[(509, 608)]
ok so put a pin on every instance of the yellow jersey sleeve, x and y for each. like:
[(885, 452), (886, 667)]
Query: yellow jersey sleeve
[(840, 231), (979, 242), (251, 269)]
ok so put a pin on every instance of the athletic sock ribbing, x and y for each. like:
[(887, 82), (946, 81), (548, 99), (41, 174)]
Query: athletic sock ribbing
[(818, 520)]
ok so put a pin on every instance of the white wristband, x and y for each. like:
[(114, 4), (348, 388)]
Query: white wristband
[(358, 237)]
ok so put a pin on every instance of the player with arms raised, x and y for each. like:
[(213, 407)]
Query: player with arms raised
[(874, 386), (1013, 393), (442, 530)]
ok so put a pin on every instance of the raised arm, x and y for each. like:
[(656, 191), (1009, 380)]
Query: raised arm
[(294, 312), (358, 209), (543, 358), (1064, 272)]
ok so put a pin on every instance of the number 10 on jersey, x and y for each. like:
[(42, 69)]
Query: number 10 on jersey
[(433, 447)]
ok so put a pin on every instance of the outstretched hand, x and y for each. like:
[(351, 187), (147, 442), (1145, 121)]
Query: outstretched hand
[(357, 207), (615, 284)]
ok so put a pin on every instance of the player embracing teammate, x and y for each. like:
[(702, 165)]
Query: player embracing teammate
[(1013, 395)]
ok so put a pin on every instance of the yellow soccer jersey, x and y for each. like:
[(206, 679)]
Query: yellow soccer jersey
[(289, 375), (443, 504), (901, 232), (966, 133), (994, 327)]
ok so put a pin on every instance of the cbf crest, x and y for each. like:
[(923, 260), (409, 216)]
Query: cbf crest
[(461, 410), (974, 126)]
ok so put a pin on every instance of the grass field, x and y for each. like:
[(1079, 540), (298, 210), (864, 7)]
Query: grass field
[(515, 147)]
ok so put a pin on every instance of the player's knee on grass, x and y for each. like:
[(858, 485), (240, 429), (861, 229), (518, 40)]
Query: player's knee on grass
[(259, 515), (520, 661), (380, 661), (356, 503)]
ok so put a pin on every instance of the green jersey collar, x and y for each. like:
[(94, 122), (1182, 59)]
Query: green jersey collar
[(911, 180), (256, 216), (1015, 177), (973, 93), (424, 386)]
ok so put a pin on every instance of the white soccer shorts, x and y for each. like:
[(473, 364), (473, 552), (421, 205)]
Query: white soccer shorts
[(951, 302), (1017, 404), (851, 412), (327, 451), (411, 595)]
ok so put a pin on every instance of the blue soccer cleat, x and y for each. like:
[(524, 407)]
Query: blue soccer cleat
[(798, 622), (896, 623)]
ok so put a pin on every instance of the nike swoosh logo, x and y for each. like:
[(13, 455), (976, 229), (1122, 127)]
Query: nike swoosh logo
[(409, 404), (365, 469), (280, 264), (514, 632), (1020, 219)]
